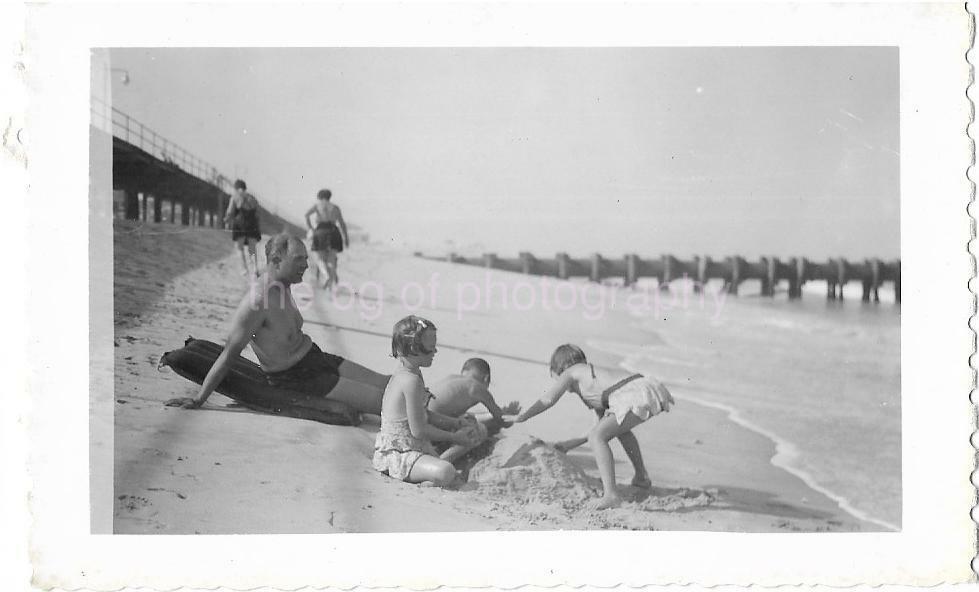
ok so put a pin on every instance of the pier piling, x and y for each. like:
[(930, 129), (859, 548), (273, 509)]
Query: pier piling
[(733, 270), (528, 263), (597, 268), (632, 263)]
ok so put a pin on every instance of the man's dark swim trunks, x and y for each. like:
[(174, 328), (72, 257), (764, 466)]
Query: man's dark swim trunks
[(327, 237), (315, 375)]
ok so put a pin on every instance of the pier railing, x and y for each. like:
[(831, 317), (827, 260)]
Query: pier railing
[(771, 271), (160, 181), (126, 128)]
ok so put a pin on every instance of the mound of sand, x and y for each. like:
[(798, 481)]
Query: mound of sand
[(546, 485), (527, 470)]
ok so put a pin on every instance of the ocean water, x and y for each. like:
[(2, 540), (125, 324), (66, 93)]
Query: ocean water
[(821, 379)]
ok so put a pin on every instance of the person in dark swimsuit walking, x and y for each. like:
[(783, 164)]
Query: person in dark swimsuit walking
[(242, 214), (329, 236)]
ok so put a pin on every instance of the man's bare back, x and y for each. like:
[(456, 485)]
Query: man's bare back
[(327, 212)]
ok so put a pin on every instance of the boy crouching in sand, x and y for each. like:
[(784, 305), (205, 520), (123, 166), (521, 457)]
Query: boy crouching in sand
[(455, 395), (620, 400), (403, 448)]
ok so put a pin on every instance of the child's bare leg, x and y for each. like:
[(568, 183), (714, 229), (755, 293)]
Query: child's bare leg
[(598, 439), (456, 452), (631, 446), (429, 469)]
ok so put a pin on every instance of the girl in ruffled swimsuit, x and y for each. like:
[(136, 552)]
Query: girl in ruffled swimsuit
[(403, 449), (621, 402)]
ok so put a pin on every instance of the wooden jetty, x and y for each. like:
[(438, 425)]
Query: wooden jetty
[(771, 271)]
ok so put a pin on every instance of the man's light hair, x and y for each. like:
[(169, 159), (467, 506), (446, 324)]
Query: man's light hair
[(277, 247)]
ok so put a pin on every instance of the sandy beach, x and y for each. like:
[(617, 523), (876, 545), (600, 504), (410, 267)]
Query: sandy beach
[(224, 469)]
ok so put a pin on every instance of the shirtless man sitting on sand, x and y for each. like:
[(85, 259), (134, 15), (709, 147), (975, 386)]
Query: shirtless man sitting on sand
[(455, 395), (269, 320)]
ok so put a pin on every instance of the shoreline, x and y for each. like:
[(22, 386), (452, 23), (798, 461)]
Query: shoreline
[(745, 383), (785, 452), (699, 445), (362, 344)]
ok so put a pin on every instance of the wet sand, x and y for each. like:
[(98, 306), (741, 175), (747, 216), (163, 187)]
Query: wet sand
[(223, 469)]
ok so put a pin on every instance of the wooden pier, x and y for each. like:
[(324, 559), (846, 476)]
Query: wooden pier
[(159, 181), (770, 271)]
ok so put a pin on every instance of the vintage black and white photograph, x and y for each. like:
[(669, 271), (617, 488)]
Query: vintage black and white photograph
[(411, 289), (494, 295)]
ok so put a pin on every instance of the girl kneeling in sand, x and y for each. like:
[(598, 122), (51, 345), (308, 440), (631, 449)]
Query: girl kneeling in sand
[(403, 448), (621, 402)]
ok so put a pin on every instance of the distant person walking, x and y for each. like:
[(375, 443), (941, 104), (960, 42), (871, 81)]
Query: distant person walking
[(242, 214), (329, 235)]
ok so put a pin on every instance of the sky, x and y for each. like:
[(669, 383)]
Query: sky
[(790, 151)]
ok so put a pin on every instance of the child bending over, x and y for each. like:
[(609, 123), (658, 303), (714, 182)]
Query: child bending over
[(455, 395), (621, 402)]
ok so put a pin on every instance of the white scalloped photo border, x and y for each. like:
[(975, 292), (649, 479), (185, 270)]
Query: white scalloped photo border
[(937, 539)]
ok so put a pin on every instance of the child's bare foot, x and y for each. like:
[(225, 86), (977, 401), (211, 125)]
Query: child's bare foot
[(606, 501), (642, 482)]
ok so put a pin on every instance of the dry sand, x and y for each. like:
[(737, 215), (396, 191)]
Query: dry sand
[(223, 469)]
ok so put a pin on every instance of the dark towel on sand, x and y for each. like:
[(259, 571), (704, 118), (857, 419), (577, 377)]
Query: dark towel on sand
[(247, 384)]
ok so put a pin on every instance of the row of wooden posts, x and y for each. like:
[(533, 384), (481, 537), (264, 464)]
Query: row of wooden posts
[(871, 273), (147, 207), (151, 208)]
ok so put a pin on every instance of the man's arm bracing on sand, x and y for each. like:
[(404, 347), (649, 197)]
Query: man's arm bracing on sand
[(246, 320)]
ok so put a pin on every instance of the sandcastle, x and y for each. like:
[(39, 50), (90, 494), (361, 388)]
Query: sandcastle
[(528, 470), (544, 481)]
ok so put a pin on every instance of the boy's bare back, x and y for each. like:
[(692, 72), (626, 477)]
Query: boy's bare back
[(455, 395)]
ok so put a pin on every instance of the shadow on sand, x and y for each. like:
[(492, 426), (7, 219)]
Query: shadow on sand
[(142, 251)]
